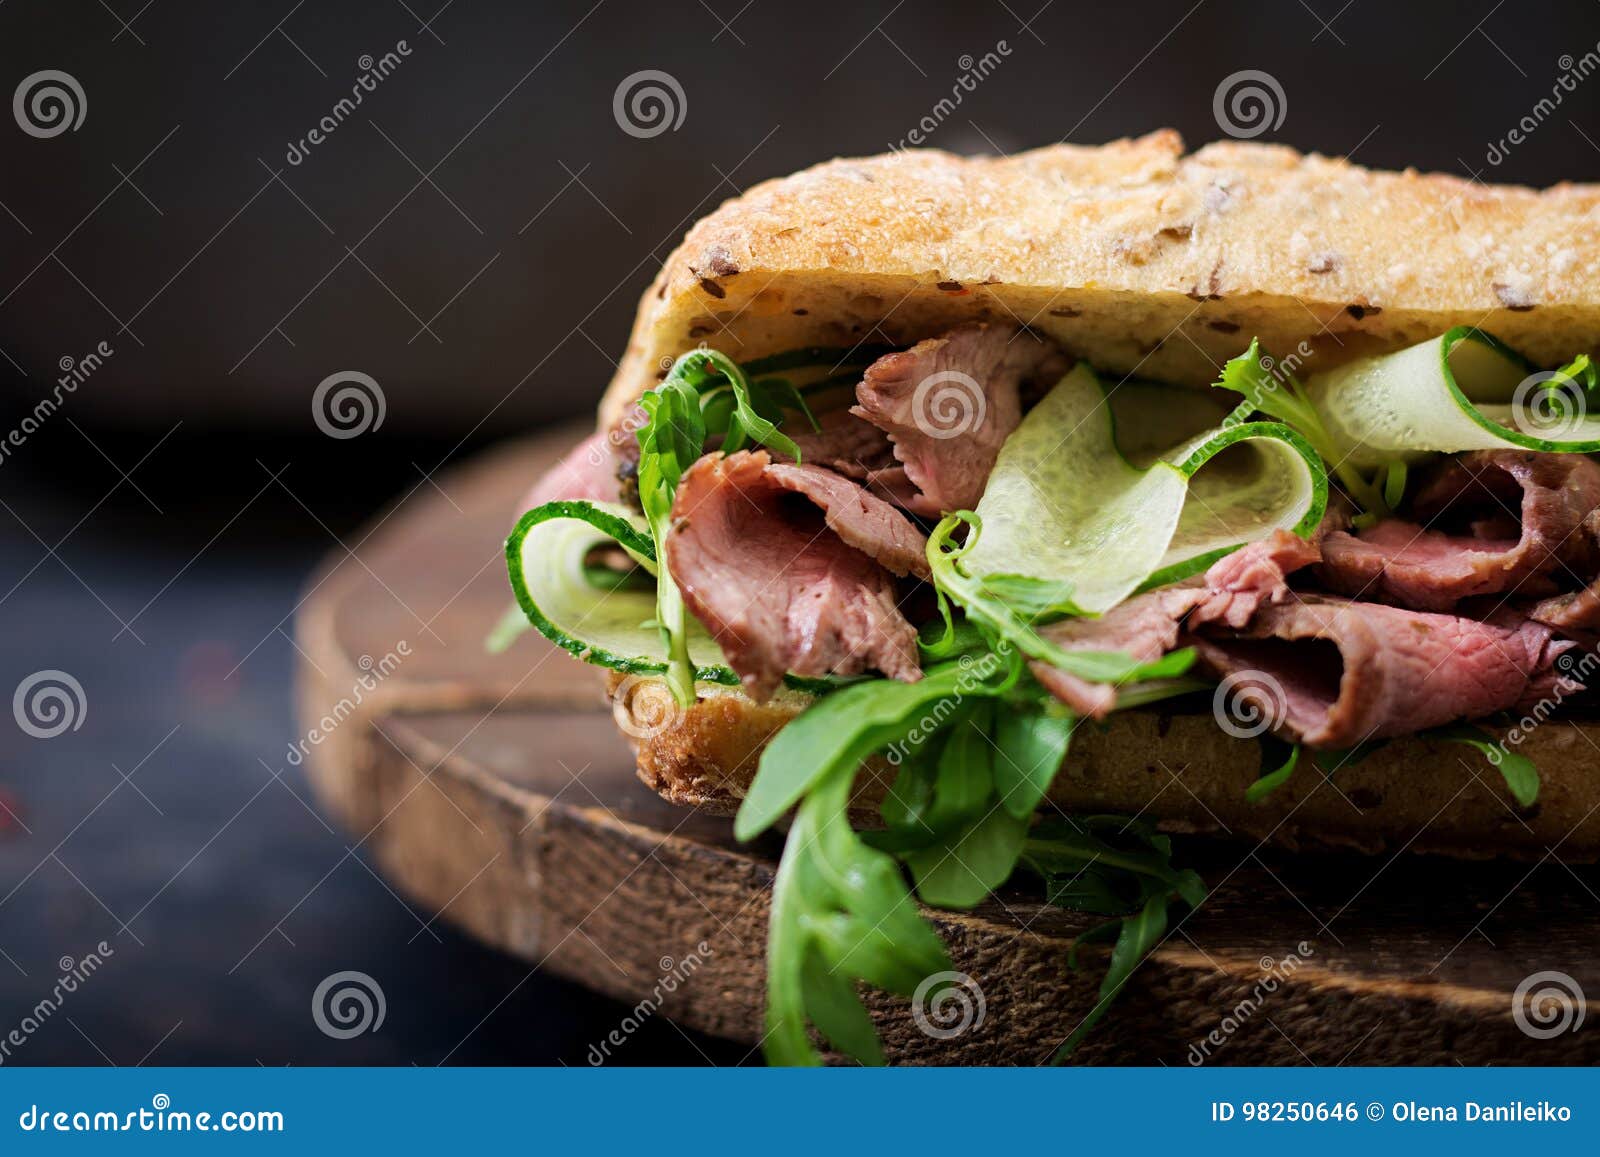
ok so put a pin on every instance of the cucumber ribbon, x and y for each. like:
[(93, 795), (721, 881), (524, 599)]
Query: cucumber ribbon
[(1102, 494), (545, 556), (1463, 390)]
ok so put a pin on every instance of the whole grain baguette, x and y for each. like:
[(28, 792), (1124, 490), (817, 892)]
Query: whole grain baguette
[(1143, 260), (1182, 772), (1131, 255)]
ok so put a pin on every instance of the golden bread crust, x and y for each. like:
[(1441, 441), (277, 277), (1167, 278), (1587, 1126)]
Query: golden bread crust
[(1130, 254)]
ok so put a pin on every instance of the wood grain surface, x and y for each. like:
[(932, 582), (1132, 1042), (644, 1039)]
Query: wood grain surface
[(496, 791)]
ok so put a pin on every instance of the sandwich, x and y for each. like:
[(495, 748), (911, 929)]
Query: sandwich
[(993, 520)]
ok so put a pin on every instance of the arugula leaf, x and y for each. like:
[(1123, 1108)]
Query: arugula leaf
[(1331, 759), (1109, 866), (1394, 484), (745, 423), (1030, 747), (1033, 598), (977, 743), (1580, 371), (841, 729), (1000, 619), (772, 397), (969, 842), (1137, 935), (507, 630), (1273, 748), (1519, 772), (671, 439), (840, 910)]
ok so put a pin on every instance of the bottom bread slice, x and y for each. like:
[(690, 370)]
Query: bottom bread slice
[(1182, 772)]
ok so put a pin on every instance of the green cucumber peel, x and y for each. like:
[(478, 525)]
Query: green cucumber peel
[(1269, 388), (544, 559)]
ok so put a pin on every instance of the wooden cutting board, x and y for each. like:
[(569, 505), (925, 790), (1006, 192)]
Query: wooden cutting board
[(497, 791)]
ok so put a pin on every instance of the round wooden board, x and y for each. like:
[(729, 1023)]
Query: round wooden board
[(497, 790)]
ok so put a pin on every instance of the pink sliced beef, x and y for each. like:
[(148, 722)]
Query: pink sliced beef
[(1351, 671), (1525, 526), (846, 443), (789, 568), (1144, 627), (1147, 626), (587, 473), (947, 404)]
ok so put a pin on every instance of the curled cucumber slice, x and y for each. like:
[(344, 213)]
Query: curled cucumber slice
[(1464, 390), (1073, 498), (545, 557)]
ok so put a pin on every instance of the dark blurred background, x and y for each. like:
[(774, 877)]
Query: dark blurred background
[(474, 236)]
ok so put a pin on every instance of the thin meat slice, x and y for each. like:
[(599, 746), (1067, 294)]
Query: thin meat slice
[(846, 443), (1144, 627), (1240, 584), (862, 520), (1575, 611), (587, 473), (1147, 626), (1334, 672), (948, 404), (623, 437), (1527, 518), (785, 565)]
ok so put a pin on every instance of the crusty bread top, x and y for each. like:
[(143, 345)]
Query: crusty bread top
[(1130, 254)]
